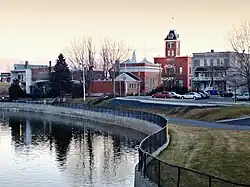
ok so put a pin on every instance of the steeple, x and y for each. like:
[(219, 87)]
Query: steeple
[(172, 48), (133, 59)]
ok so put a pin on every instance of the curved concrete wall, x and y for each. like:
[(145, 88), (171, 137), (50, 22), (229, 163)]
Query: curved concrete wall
[(132, 123)]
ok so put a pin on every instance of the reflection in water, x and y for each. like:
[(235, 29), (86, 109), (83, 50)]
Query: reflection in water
[(54, 154)]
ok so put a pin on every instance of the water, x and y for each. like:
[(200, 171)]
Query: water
[(44, 151)]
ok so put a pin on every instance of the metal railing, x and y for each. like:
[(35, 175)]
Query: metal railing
[(152, 167)]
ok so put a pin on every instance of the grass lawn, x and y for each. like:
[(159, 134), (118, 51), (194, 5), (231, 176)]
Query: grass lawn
[(210, 114), (222, 153)]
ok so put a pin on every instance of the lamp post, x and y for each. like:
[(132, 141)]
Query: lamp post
[(83, 81)]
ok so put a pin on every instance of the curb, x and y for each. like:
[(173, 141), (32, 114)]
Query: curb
[(233, 119)]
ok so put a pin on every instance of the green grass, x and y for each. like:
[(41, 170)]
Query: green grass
[(222, 153)]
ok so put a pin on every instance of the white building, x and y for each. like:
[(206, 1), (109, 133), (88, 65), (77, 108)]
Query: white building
[(27, 74), (210, 69)]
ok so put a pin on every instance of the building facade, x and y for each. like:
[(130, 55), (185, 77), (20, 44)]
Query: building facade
[(210, 69), (176, 69), (148, 73)]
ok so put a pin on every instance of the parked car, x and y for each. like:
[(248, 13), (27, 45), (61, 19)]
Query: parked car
[(206, 93), (175, 95), (226, 94), (242, 97), (203, 95), (191, 95), (163, 94)]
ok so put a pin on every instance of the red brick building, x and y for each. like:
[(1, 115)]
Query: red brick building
[(148, 73), (176, 69), (134, 78)]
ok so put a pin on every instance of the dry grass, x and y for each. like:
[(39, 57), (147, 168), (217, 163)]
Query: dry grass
[(203, 114), (222, 153)]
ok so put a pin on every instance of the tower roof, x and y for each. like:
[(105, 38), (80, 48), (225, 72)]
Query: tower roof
[(172, 35)]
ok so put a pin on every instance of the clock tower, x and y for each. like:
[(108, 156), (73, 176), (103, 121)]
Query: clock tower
[(172, 42)]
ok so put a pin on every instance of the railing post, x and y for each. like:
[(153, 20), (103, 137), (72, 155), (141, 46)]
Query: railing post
[(210, 182), (159, 173), (178, 177), (144, 164)]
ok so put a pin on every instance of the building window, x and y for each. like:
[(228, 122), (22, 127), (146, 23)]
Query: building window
[(173, 53), (211, 62), (222, 62), (190, 70), (218, 62), (181, 70), (205, 62), (190, 83), (170, 45), (181, 83), (168, 53), (196, 63)]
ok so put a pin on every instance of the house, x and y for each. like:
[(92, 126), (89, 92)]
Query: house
[(28, 74), (5, 77), (176, 69), (124, 84)]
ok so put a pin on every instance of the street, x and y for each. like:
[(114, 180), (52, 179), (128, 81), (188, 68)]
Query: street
[(213, 100)]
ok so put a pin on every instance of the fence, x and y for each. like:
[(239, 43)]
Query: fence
[(155, 169)]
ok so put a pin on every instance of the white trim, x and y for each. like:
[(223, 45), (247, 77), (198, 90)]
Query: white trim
[(137, 69)]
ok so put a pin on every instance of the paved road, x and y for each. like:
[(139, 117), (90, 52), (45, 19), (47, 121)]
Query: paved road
[(226, 125), (214, 100)]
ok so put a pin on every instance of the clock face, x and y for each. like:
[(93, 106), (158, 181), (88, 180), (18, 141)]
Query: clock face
[(170, 36)]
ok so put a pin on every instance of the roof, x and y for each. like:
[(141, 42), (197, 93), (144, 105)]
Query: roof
[(172, 35), (133, 76), (126, 77), (23, 66)]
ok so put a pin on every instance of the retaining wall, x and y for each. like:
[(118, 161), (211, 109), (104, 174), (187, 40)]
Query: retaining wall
[(132, 123)]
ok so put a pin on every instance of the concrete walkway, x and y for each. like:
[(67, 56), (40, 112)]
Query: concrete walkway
[(189, 122)]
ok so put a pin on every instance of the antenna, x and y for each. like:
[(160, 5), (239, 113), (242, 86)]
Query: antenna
[(173, 22)]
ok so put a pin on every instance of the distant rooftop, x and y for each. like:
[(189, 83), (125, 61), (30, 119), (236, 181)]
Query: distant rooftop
[(28, 66)]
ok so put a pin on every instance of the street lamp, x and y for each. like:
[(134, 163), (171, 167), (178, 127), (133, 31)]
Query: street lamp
[(83, 81)]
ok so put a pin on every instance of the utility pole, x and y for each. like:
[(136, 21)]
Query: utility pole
[(83, 82), (114, 65)]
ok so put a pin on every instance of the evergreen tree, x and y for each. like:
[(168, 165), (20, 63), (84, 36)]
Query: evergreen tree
[(61, 78), (15, 91)]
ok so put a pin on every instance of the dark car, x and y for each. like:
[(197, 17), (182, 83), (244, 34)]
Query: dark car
[(163, 94), (226, 94), (204, 95)]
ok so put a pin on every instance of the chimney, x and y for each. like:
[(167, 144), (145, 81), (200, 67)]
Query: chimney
[(212, 51), (26, 64), (49, 67)]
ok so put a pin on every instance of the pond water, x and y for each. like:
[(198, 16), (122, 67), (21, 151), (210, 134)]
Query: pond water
[(46, 151)]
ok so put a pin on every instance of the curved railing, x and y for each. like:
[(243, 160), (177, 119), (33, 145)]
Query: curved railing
[(164, 174), (151, 167)]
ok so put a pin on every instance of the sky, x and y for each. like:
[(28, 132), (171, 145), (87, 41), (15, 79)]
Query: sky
[(38, 30)]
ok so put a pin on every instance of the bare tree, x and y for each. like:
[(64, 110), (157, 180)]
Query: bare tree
[(81, 52), (112, 52), (234, 81), (240, 42), (81, 57)]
